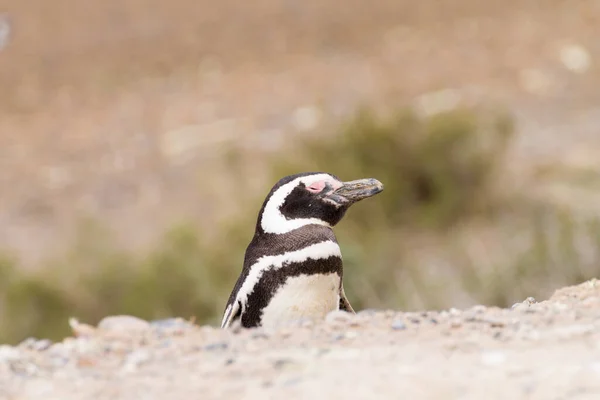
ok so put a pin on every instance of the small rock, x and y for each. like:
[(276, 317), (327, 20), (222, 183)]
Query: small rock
[(307, 323), (351, 335), (135, 359), (282, 363), (80, 329), (345, 335), (338, 316), (34, 344), (9, 353), (25, 368), (559, 307), (216, 346), (493, 358), (58, 361), (42, 345), (478, 309), (525, 306), (398, 325), (493, 322), (171, 323), (123, 323), (259, 335), (469, 317), (456, 323), (454, 312), (367, 313)]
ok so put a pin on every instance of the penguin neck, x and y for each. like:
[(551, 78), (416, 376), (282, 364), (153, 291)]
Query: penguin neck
[(270, 244)]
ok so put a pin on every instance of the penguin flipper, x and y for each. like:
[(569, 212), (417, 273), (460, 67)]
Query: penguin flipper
[(233, 312), (344, 303)]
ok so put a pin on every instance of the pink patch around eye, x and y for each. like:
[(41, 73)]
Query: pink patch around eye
[(316, 187)]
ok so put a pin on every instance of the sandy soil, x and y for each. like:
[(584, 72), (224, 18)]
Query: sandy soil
[(535, 350)]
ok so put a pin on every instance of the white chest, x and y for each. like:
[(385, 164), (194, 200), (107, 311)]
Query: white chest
[(304, 296)]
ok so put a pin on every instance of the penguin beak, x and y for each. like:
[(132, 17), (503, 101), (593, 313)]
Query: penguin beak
[(353, 191)]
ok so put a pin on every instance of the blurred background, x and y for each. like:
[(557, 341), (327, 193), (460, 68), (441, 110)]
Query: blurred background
[(139, 138)]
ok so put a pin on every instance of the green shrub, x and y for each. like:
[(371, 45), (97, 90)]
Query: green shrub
[(434, 170)]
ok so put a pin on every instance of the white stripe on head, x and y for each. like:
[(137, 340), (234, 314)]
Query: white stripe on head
[(273, 221), (316, 251)]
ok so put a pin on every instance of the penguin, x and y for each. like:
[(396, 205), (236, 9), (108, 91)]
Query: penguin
[(293, 265)]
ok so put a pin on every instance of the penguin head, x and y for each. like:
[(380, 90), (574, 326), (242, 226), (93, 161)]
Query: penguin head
[(311, 198)]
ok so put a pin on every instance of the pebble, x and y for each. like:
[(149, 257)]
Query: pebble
[(398, 325), (121, 323), (339, 318), (345, 335), (369, 312), (494, 322), (559, 307), (80, 329), (9, 353), (259, 335), (135, 359), (216, 346), (351, 335), (25, 368), (34, 344), (478, 309), (469, 317), (493, 358), (456, 323), (171, 323), (454, 312)]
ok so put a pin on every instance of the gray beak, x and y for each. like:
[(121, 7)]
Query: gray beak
[(353, 191)]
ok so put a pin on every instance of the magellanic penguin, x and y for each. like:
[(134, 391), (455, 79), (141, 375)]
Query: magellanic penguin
[(293, 265)]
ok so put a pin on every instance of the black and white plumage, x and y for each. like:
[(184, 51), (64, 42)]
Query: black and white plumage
[(293, 265)]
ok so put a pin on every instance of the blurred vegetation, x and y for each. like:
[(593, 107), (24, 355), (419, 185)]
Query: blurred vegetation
[(442, 234)]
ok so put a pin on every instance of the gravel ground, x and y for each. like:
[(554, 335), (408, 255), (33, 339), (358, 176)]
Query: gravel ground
[(535, 350)]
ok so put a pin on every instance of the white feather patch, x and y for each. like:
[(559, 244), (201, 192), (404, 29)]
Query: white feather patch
[(226, 315), (316, 251), (273, 221), (304, 296)]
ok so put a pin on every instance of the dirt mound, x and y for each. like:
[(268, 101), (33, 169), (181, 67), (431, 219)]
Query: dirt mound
[(549, 349)]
